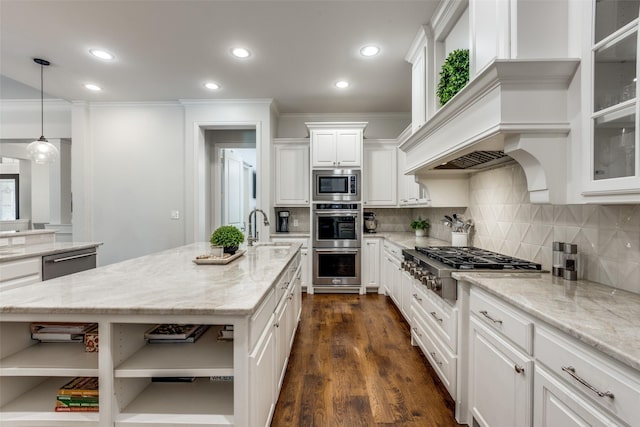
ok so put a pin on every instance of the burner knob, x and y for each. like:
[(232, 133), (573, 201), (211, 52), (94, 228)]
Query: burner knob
[(437, 284), (425, 280)]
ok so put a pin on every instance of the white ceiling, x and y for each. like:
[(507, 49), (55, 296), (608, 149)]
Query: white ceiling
[(167, 50)]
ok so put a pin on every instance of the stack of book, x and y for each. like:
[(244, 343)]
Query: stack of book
[(61, 331), (81, 394), (174, 333)]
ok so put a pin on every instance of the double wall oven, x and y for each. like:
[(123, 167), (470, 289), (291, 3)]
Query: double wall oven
[(336, 246)]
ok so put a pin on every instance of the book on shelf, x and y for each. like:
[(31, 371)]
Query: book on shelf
[(80, 386), (225, 335), (61, 331), (61, 407), (173, 379), (76, 404), (78, 400), (191, 334)]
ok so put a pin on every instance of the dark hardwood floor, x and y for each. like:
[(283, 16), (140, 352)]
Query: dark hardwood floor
[(352, 364)]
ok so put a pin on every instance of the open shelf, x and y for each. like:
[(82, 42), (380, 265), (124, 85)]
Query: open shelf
[(208, 356), (36, 406), (51, 359), (202, 402)]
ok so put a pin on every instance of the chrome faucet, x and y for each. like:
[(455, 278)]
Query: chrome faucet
[(250, 238)]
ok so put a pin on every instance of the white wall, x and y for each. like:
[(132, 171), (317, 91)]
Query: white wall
[(380, 126), (136, 154)]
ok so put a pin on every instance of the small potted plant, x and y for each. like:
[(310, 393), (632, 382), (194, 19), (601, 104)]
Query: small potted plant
[(421, 226), (229, 237)]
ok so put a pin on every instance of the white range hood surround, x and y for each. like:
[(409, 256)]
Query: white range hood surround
[(519, 106)]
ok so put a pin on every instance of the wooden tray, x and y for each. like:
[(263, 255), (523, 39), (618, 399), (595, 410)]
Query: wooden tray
[(219, 261)]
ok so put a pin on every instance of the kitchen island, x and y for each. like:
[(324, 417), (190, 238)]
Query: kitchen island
[(235, 382)]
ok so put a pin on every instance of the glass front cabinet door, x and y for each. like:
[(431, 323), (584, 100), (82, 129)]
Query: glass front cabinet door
[(614, 153)]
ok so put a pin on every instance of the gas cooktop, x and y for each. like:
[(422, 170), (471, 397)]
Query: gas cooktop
[(471, 258)]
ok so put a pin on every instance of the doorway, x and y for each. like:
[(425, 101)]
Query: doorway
[(232, 178)]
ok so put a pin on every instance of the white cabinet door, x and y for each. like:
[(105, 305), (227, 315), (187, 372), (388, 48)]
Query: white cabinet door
[(349, 148), (305, 262), (262, 377), (371, 262), (556, 405), (501, 380), (380, 174), (418, 91), (323, 145), (282, 340), (406, 291), (408, 188), (291, 172), (393, 277)]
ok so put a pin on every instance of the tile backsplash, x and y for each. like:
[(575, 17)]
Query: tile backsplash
[(608, 236)]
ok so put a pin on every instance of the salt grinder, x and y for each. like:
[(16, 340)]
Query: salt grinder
[(558, 259), (570, 262)]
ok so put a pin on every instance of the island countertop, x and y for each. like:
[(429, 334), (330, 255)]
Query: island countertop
[(167, 282), (13, 253)]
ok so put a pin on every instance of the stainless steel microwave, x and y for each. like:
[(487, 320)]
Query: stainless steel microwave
[(336, 185)]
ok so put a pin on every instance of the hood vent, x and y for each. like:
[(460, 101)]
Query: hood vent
[(475, 158)]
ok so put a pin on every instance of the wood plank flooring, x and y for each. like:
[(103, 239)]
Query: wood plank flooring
[(352, 364)]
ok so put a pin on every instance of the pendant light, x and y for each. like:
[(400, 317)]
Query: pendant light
[(42, 151)]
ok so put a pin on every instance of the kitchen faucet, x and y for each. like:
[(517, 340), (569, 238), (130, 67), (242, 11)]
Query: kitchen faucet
[(250, 238)]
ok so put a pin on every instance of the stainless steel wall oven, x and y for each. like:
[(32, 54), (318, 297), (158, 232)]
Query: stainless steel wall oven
[(336, 246)]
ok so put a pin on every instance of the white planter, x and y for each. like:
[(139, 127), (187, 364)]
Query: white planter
[(421, 233)]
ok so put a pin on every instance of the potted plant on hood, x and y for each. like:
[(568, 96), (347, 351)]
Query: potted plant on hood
[(421, 226), (227, 236)]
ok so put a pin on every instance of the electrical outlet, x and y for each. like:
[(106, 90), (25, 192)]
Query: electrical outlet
[(175, 214), (295, 223)]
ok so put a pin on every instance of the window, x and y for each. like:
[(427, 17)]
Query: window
[(9, 197)]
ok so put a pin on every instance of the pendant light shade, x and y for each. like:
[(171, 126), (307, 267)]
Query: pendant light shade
[(42, 151)]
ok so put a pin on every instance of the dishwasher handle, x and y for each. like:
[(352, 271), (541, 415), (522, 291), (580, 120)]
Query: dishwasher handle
[(68, 258)]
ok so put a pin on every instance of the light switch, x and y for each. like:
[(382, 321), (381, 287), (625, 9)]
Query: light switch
[(295, 223), (175, 214)]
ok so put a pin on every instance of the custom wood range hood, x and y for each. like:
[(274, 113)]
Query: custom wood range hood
[(518, 107)]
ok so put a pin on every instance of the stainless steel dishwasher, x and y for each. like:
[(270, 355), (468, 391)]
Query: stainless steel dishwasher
[(69, 262)]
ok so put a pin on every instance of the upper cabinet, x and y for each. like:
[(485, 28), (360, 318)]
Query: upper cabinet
[(614, 171), (336, 144), (380, 173), (291, 171)]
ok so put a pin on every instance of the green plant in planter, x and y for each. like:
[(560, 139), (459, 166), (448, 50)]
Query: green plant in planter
[(454, 75), (227, 236), (420, 224)]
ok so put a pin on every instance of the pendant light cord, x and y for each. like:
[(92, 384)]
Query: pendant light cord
[(41, 99)]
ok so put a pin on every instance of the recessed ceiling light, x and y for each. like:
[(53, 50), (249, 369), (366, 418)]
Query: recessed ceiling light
[(369, 50), (240, 52), (212, 86), (342, 84), (93, 87), (102, 54)]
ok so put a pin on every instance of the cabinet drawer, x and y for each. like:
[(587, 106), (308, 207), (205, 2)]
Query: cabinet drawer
[(20, 272), (437, 314), (439, 356), (607, 383), (260, 318), (392, 250), (500, 317)]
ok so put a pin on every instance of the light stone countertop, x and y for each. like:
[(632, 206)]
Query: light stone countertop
[(164, 283), (407, 240), (12, 253), (25, 233), (603, 317)]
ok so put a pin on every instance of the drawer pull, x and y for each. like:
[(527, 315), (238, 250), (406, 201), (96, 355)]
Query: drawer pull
[(416, 331), (416, 297), (572, 371), (486, 314), (433, 354), (519, 369), (435, 316)]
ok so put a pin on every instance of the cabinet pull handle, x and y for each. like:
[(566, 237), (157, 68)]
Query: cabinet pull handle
[(519, 369), (486, 314), (416, 331), (435, 316), (417, 297), (68, 258), (277, 325), (572, 371), (433, 354)]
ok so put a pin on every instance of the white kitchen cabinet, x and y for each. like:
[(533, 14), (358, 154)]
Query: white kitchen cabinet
[(336, 144), (371, 263), (20, 272), (613, 162), (501, 379), (410, 192), (263, 377), (417, 56), (406, 292), (305, 259), (291, 172), (380, 174), (392, 272)]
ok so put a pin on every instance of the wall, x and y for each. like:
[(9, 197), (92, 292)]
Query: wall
[(135, 154), (380, 125), (608, 236)]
